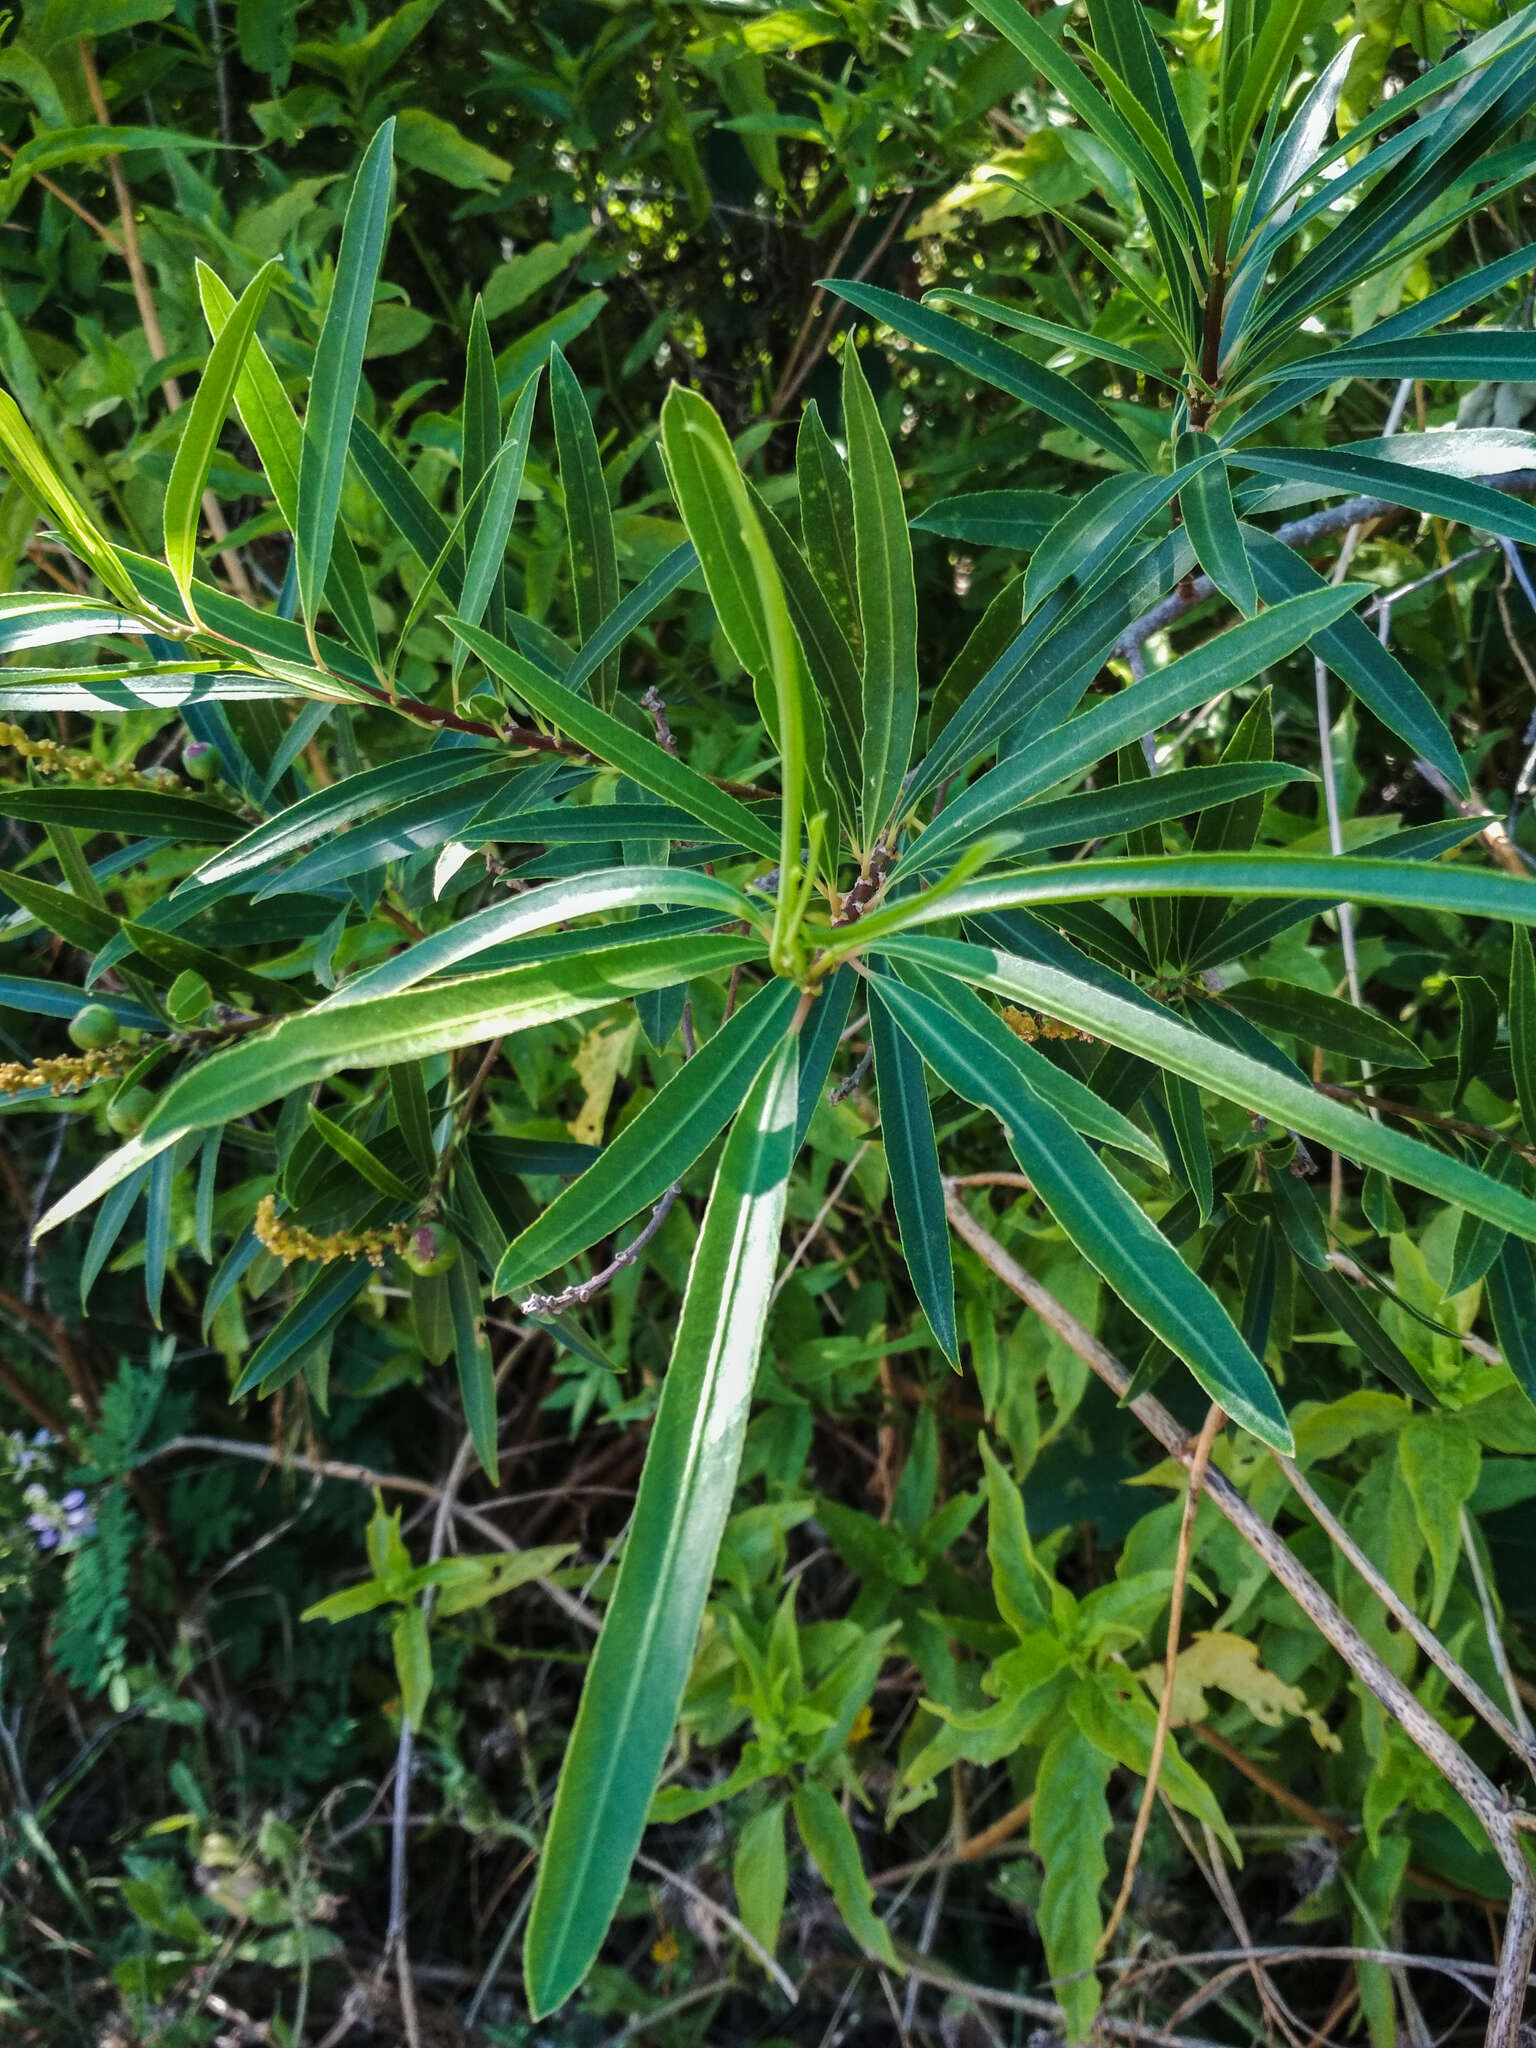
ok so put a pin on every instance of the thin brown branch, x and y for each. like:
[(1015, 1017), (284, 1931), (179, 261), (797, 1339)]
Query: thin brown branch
[(97, 227), (1201, 1459), (149, 315), (1497, 1814)]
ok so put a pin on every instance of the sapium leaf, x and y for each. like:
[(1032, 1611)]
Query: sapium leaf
[(1155, 1034), (1099, 1217), (602, 735), (887, 601), (635, 1680), (994, 362), (588, 515), (338, 367), (419, 1023), (658, 1146), (912, 1159)]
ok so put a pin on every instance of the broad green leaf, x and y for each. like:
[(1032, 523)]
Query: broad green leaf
[(912, 1159), (1094, 530), (833, 1848), (657, 1147), (540, 910), (1522, 1027), (1068, 1827), (1440, 1466), (472, 1355), (887, 601), (588, 516), (204, 424), (76, 921), (137, 813), (635, 1680), (1018, 1585), (337, 375), (760, 1875), (1107, 1227), (1316, 1019), (1440, 493), (1155, 1034), (1206, 502), (604, 737), (993, 361), (414, 1026), (826, 523), (1220, 664)]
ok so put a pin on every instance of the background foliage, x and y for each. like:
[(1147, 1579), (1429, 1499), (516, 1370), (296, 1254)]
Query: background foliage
[(272, 1673)]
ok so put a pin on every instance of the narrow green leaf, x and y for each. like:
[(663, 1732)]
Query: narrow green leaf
[(338, 368), (408, 1094), (995, 363), (650, 592), (1233, 657), (1206, 502), (1230, 827), (1155, 1034), (588, 516), (1316, 1019), (1511, 1284), (319, 1308), (541, 910), (472, 1355), (760, 1875), (204, 423), (77, 922), (1188, 1120), (1522, 1028), (108, 1228), (407, 507), (414, 1026), (912, 1158), (657, 1147), (1080, 342), (603, 736), (357, 1155), (826, 523), (887, 600), (43, 483), (834, 1849), (491, 513), (267, 414), (1106, 1226), (636, 1677), (136, 813)]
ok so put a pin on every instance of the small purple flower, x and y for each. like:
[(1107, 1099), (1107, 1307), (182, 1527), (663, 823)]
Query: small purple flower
[(75, 1498), (47, 1539)]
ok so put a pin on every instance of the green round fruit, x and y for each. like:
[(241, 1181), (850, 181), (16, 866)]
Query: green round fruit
[(429, 1249), (128, 1112), (200, 760), (93, 1027)]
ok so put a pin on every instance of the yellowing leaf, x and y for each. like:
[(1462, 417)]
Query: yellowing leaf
[(602, 1057), (1231, 1663)]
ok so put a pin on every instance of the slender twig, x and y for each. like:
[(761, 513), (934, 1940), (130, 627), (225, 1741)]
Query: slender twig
[(1501, 1724), (1496, 1649), (149, 317), (656, 704), (821, 1216), (1202, 1457), (726, 1918), (582, 1291), (1300, 534), (851, 1083), (97, 227), (1497, 1814)]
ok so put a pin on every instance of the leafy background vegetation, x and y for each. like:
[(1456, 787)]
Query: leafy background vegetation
[(310, 1504)]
